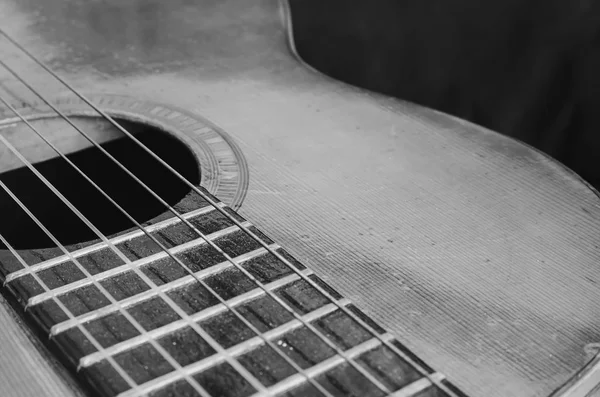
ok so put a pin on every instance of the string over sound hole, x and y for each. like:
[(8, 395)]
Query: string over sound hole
[(17, 226)]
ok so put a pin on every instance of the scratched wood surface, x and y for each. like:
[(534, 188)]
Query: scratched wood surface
[(477, 252)]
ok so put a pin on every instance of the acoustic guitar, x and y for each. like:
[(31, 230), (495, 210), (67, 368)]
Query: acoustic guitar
[(188, 209)]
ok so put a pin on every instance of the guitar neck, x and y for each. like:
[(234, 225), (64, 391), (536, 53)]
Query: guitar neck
[(143, 324)]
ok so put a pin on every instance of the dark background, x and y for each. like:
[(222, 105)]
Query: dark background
[(524, 68)]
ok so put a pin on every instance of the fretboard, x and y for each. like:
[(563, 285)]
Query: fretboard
[(243, 317)]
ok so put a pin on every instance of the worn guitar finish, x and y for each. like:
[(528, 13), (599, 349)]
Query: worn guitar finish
[(473, 250)]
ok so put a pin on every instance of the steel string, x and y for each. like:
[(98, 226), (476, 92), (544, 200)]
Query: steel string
[(344, 309), (139, 226), (331, 344)]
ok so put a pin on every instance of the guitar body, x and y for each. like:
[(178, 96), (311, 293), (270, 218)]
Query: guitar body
[(478, 253)]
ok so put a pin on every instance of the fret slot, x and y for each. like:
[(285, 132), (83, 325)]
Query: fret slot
[(304, 390), (153, 313), (237, 243), (304, 347), (223, 380), (344, 380), (193, 298), (164, 271), (265, 313), (111, 329), (302, 297), (267, 268), (230, 283), (84, 300), (125, 285), (388, 368), (179, 388), (227, 329), (320, 369), (143, 363), (104, 379), (61, 275), (342, 330), (186, 346)]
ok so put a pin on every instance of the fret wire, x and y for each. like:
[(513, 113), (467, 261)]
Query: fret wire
[(242, 370), (292, 325), (330, 363), (146, 295), (283, 385), (250, 378), (219, 308), (116, 240), (83, 330), (266, 340), (100, 246), (418, 386), (235, 350), (125, 267), (177, 325), (213, 203)]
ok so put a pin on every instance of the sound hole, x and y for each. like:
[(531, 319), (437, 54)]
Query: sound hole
[(22, 232)]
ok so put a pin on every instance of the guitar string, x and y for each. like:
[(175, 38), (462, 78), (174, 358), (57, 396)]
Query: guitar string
[(348, 312), (132, 384), (270, 293), (225, 213), (100, 287), (62, 306), (252, 327), (138, 225)]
